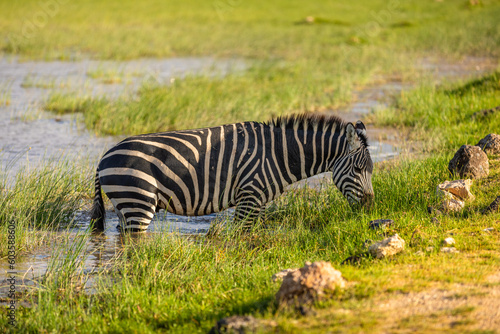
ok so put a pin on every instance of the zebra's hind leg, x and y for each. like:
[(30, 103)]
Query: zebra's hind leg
[(134, 216)]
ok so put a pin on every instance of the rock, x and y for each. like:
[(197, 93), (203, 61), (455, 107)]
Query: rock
[(380, 223), (448, 241), (429, 249), (279, 276), (435, 221), (387, 247), (489, 229), (460, 189), (490, 144), (239, 324), (309, 283), (470, 161), (493, 207), (453, 205), (435, 211), (449, 250), (353, 260)]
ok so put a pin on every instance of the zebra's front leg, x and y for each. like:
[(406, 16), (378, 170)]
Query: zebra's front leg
[(249, 210)]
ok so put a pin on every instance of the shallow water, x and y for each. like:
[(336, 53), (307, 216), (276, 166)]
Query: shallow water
[(30, 135), (33, 135)]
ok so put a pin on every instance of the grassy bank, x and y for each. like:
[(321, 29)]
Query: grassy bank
[(444, 117), (165, 282), (305, 57)]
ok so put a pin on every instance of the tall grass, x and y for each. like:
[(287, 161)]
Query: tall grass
[(41, 198), (166, 282)]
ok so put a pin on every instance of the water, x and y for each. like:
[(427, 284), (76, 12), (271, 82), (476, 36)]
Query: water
[(32, 135)]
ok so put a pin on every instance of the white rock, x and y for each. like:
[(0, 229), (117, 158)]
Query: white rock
[(387, 247), (448, 241), (449, 250), (459, 189), (309, 283)]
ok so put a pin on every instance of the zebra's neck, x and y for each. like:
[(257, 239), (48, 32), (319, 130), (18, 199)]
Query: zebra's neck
[(308, 150)]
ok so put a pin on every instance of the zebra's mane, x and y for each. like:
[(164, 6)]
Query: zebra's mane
[(300, 121)]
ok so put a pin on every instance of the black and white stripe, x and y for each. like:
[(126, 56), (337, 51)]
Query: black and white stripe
[(242, 165)]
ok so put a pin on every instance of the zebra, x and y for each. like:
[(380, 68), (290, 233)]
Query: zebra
[(242, 165)]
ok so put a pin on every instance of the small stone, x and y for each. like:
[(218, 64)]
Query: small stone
[(236, 324), (493, 207), (387, 247), (459, 189), (470, 161), (279, 275), (309, 283), (380, 223), (429, 249), (448, 241), (435, 221), (435, 211), (353, 260), (489, 229), (486, 112), (490, 144), (449, 250)]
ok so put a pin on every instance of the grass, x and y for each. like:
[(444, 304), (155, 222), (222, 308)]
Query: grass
[(5, 95), (107, 76), (165, 282), (260, 29), (303, 56), (445, 117), (40, 199)]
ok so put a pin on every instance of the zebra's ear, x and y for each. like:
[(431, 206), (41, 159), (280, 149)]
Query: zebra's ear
[(352, 137), (360, 128)]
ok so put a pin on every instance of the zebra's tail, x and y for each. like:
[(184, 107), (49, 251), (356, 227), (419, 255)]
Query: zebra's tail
[(97, 213)]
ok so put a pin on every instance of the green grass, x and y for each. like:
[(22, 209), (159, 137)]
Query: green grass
[(295, 66), (199, 101), (259, 29), (302, 56), (165, 282), (444, 117), (41, 199), (5, 95)]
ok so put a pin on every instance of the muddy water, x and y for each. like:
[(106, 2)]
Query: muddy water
[(32, 135)]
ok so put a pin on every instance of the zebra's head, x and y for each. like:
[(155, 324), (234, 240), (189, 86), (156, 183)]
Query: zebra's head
[(352, 174)]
